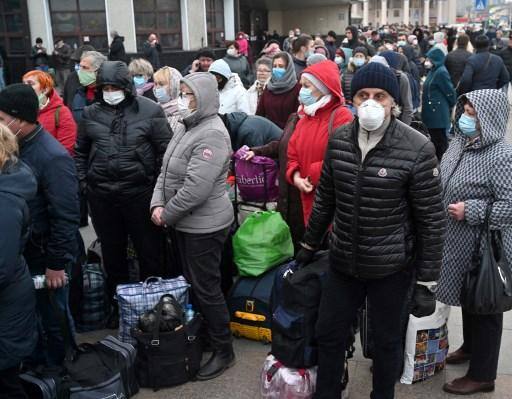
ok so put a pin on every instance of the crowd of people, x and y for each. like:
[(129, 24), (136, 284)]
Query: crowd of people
[(391, 149)]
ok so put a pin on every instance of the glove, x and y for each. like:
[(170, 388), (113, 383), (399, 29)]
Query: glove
[(424, 301), (304, 256), (83, 188)]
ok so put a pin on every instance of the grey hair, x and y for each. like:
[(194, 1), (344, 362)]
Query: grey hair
[(139, 66), (96, 58)]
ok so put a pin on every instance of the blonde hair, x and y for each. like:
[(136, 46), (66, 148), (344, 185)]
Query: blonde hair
[(170, 78), (8, 146), (140, 66)]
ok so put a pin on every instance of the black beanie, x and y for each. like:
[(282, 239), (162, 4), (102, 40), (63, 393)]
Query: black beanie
[(20, 101), (375, 76)]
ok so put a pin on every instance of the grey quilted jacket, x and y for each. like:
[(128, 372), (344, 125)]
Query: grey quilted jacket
[(192, 183), (480, 175)]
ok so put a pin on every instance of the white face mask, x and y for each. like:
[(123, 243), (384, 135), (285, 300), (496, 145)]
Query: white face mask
[(183, 106), (371, 115), (232, 52), (113, 97)]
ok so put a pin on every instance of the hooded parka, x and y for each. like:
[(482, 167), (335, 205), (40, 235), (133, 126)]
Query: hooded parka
[(478, 173), (307, 145)]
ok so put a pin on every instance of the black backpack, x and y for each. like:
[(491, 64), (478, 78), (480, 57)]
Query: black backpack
[(295, 302)]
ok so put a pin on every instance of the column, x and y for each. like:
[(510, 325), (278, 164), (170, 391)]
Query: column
[(229, 19), (440, 18), (384, 12), (406, 12), (40, 23), (193, 24), (426, 12), (122, 22), (365, 12), (452, 12)]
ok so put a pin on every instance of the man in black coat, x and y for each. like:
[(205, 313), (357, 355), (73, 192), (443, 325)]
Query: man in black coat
[(456, 60), (483, 70), (380, 185), (117, 51), (506, 55), (52, 248), (152, 50), (120, 145)]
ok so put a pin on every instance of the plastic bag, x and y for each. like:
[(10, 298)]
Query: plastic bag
[(262, 242), (256, 179), (426, 345)]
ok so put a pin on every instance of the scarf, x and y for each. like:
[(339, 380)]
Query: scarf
[(311, 109), (287, 82), (145, 88)]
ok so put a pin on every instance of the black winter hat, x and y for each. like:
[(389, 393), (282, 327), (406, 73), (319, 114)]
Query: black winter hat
[(375, 76), (20, 101), (360, 49)]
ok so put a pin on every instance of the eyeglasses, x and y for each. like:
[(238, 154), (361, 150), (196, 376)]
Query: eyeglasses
[(263, 71), (183, 94)]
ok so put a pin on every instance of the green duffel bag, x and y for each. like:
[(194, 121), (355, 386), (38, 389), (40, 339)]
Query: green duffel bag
[(262, 242)]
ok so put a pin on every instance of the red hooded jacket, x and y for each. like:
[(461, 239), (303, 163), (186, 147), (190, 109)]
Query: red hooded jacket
[(308, 143), (65, 133)]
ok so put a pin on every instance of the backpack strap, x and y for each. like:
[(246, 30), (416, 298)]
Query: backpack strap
[(57, 116)]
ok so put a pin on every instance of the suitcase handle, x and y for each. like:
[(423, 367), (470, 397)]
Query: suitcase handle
[(249, 316), (150, 279)]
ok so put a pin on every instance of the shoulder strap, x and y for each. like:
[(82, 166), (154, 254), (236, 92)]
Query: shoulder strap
[(331, 120), (57, 116)]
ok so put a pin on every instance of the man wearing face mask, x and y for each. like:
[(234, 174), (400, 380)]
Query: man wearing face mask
[(303, 47), (52, 248), (120, 144), (380, 183)]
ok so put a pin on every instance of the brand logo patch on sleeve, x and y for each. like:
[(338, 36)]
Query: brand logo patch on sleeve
[(383, 172), (207, 154), (435, 172)]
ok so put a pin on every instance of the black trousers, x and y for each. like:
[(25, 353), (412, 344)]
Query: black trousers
[(115, 220), (440, 141), (10, 384), (482, 339), (200, 256), (341, 299)]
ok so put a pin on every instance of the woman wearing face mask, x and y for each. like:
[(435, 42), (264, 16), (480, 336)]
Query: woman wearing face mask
[(166, 90), (190, 198), (238, 63), (358, 60), (339, 59), (263, 74), (55, 117), (120, 145), (232, 94), (280, 99), (476, 175), (141, 72), (321, 99), (437, 100)]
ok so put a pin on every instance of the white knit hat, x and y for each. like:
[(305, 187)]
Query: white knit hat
[(221, 67), (322, 88)]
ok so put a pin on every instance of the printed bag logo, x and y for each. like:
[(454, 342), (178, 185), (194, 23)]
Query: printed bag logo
[(207, 154), (383, 172)]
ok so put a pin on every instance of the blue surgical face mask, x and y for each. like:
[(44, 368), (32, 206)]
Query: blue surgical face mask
[(359, 62), (467, 125), (305, 97), (139, 81), (308, 54), (161, 95), (278, 73)]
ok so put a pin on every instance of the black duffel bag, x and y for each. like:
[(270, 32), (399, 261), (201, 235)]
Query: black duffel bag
[(168, 358), (487, 286)]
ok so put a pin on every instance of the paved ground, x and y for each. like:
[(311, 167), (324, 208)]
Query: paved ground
[(242, 380)]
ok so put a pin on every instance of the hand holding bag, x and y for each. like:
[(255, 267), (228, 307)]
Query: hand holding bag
[(487, 286)]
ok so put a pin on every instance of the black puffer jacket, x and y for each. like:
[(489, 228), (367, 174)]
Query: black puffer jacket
[(120, 148), (387, 211)]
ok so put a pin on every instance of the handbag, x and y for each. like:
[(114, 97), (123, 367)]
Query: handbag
[(487, 286), (135, 299), (262, 242), (170, 358)]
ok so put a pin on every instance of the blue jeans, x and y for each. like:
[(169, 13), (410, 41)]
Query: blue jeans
[(50, 349)]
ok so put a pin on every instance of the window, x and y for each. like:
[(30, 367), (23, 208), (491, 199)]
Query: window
[(162, 17), (73, 20), (396, 13), (13, 26), (215, 22)]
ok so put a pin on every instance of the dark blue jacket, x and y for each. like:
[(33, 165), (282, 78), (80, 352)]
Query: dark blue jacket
[(250, 130), (18, 330), (483, 70), (438, 96), (55, 210)]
